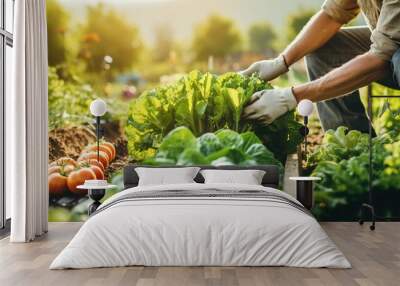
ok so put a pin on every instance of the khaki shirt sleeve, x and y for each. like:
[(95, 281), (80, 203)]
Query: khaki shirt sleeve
[(342, 11), (386, 36)]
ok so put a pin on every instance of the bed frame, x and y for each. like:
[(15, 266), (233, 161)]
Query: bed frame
[(271, 177)]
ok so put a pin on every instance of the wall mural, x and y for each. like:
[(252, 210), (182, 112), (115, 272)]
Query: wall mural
[(172, 103)]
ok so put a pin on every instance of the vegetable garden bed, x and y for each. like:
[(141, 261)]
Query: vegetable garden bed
[(342, 162), (196, 120), (72, 153), (205, 104)]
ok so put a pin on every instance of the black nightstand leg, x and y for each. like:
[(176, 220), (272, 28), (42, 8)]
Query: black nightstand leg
[(304, 193), (95, 195)]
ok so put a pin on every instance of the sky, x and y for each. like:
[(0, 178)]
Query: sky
[(181, 16), (116, 1)]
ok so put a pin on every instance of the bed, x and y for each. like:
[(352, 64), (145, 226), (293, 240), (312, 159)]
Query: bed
[(197, 224)]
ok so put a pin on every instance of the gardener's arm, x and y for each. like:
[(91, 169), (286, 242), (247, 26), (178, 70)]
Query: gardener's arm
[(268, 105), (314, 35), (364, 69), (322, 27), (357, 73)]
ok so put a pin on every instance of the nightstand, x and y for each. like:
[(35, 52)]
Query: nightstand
[(96, 193), (305, 190)]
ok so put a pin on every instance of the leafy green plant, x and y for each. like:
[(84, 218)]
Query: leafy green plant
[(203, 103), (224, 147), (339, 144), (342, 162), (68, 101), (386, 111), (392, 161)]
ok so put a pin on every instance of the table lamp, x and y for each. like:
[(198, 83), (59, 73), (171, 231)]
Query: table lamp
[(305, 108), (98, 108)]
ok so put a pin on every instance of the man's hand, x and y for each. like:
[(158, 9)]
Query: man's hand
[(267, 70), (267, 105)]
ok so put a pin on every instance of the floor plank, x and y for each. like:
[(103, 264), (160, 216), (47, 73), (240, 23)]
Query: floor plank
[(375, 257)]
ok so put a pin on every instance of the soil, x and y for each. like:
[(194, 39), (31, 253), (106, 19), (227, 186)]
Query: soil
[(121, 160), (69, 141), (111, 131)]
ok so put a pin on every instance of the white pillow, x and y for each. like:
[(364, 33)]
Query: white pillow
[(166, 176), (247, 177)]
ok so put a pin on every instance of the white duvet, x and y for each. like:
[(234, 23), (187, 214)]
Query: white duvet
[(202, 232)]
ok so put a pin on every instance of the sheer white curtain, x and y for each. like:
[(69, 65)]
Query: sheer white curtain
[(26, 124)]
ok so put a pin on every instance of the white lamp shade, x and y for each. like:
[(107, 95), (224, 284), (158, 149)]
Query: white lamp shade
[(98, 107), (305, 107)]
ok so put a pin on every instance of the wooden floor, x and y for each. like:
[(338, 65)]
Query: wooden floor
[(375, 257)]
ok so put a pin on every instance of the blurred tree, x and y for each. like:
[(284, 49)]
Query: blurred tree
[(164, 43), (262, 38), (57, 26), (297, 21), (216, 36), (108, 41)]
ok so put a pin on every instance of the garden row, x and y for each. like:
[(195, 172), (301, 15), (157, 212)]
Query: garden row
[(199, 104), (66, 174), (342, 161), (195, 120)]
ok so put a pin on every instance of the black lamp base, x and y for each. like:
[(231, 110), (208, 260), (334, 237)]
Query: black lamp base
[(373, 217), (96, 196)]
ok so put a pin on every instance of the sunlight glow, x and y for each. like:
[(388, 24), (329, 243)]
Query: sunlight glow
[(115, 1)]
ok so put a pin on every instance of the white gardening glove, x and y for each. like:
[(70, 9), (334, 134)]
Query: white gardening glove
[(267, 105), (267, 70)]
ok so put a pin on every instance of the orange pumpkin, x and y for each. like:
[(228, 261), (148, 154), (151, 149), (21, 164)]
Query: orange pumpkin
[(64, 161), (105, 149), (78, 177), (112, 148), (57, 184), (103, 158), (63, 170), (54, 169), (93, 162), (96, 169)]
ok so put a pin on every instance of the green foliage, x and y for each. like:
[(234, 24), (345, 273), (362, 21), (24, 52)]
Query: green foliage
[(203, 103), (386, 111), (208, 143), (342, 162), (262, 38), (106, 33), (224, 147), (69, 101), (217, 36), (296, 22), (57, 26), (339, 145), (390, 177), (59, 214)]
